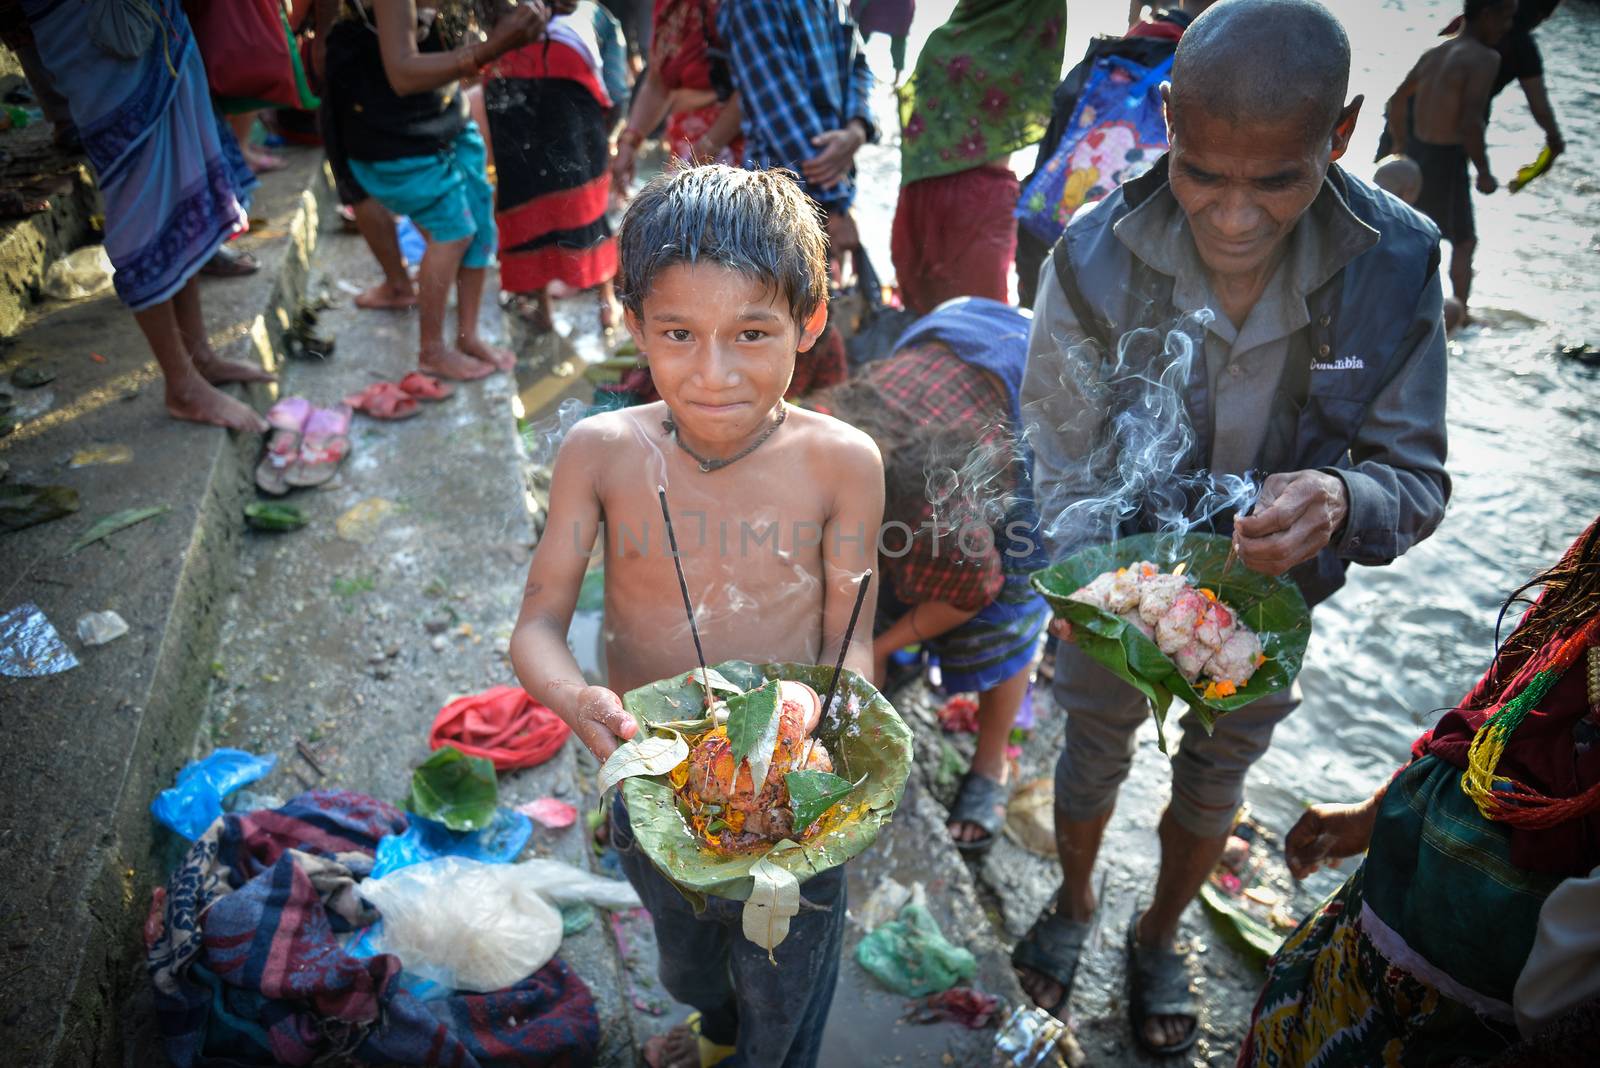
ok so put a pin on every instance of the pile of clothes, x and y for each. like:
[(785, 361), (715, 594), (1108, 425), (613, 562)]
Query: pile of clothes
[(266, 978)]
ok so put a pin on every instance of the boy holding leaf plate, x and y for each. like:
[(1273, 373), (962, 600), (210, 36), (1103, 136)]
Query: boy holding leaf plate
[(776, 513)]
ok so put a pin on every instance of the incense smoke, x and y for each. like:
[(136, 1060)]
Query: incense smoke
[(1120, 445)]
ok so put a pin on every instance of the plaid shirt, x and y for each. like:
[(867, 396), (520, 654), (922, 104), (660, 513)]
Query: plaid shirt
[(800, 71), (930, 385)]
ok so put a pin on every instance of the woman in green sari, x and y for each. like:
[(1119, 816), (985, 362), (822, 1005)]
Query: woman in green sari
[(1472, 930)]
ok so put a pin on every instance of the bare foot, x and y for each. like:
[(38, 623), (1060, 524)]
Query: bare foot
[(453, 364), (199, 401), (678, 1048), (473, 345), (610, 313), (217, 371), (260, 160), (387, 296), (535, 311)]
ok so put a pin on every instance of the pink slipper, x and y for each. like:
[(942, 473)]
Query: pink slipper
[(288, 421), (323, 447)]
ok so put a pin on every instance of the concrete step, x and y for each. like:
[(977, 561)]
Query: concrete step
[(87, 749), (350, 643)]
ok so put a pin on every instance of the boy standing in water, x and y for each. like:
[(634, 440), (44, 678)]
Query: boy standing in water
[(724, 279), (1448, 93)]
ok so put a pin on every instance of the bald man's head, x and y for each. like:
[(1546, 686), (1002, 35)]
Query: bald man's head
[(1262, 62)]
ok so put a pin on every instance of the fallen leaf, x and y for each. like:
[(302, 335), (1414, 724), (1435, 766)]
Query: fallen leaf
[(117, 521), (361, 521), (550, 812), (774, 899), (1247, 932), (1030, 816), (655, 755), (101, 454), (96, 357), (1263, 895)]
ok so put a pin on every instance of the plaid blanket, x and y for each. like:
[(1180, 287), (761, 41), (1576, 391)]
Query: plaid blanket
[(248, 968)]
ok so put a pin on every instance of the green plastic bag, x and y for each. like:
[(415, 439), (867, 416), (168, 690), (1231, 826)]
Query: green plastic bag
[(911, 956)]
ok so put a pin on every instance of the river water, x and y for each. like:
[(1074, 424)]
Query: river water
[(1401, 641)]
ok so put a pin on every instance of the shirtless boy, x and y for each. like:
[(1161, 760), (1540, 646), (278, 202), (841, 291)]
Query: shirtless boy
[(776, 511), (1448, 94)]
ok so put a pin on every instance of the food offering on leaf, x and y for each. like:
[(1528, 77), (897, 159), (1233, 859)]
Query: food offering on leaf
[(719, 792), (742, 782), (1202, 635), (1168, 615)]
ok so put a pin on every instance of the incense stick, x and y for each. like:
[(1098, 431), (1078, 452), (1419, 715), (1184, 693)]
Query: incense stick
[(683, 587), (849, 632)]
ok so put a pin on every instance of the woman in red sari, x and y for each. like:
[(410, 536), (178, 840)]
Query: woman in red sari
[(687, 86)]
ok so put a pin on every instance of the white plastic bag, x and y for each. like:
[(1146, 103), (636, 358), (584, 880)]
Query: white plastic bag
[(84, 273), (480, 927)]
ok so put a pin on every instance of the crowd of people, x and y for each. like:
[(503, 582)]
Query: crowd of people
[(1228, 249)]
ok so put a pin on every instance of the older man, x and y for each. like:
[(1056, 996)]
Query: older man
[(1293, 314)]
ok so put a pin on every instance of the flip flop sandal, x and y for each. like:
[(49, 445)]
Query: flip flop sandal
[(323, 447), (1159, 985), (384, 400), (1052, 948), (287, 418), (710, 1053), (230, 263), (982, 802), (426, 387)]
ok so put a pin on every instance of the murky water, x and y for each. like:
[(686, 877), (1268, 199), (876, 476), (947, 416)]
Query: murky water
[(1401, 641)]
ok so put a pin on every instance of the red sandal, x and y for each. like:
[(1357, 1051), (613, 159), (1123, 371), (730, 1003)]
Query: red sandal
[(384, 400), (426, 387)]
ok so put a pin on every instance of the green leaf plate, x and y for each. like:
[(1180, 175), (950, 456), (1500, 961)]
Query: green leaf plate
[(872, 743), (1272, 607)]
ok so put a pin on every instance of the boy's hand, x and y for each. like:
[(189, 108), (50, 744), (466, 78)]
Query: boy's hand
[(600, 721), (1487, 183), (1062, 629)]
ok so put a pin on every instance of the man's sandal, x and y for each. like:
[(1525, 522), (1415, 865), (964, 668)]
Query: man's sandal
[(1052, 948), (1159, 985), (981, 802)]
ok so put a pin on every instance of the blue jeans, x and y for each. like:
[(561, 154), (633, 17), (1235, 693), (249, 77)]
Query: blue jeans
[(707, 962)]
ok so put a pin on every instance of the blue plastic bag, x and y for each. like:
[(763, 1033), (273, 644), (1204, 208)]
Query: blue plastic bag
[(412, 243), (499, 843), (196, 801), (1116, 133)]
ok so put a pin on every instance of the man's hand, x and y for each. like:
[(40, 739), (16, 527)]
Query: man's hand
[(1062, 629), (1487, 183), (1326, 834), (600, 721), (828, 167), (1557, 145), (522, 25), (1295, 518)]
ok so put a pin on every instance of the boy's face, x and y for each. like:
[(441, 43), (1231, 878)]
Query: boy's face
[(721, 348)]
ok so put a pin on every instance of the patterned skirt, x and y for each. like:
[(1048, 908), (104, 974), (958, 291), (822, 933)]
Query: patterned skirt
[(1412, 962)]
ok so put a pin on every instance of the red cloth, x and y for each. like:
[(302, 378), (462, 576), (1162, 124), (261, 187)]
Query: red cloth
[(680, 36), (1540, 754), (954, 236), (503, 724)]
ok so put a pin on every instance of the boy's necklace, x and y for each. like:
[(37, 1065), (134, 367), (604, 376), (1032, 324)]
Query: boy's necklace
[(709, 464)]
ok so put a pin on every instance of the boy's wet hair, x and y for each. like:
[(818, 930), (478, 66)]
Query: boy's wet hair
[(758, 223)]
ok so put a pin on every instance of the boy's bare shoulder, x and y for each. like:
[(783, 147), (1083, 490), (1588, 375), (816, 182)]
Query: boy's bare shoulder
[(616, 432), (835, 440)]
